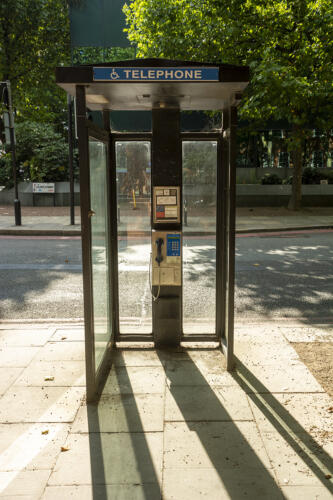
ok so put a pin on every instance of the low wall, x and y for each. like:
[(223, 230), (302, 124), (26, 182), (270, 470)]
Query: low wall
[(257, 195), (253, 175), (27, 198), (247, 195)]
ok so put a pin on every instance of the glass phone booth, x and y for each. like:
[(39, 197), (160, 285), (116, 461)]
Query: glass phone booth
[(157, 208)]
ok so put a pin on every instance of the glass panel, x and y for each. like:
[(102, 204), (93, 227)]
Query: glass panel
[(99, 247), (199, 236), (134, 236)]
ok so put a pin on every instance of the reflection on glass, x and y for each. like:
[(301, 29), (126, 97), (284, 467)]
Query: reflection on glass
[(199, 236), (99, 247), (134, 236)]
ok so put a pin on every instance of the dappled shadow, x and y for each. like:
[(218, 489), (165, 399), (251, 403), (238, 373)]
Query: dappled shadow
[(40, 294), (41, 278), (199, 261), (289, 277)]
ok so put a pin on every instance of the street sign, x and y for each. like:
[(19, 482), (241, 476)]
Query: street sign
[(43, 187), (176, 74)]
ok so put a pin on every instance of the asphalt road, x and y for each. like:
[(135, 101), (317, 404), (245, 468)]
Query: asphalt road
[(281, 276)]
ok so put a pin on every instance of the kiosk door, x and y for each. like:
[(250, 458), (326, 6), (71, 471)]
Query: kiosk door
[(97, 255)]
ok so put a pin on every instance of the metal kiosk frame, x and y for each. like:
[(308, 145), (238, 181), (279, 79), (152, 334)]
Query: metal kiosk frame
[(165, 87)]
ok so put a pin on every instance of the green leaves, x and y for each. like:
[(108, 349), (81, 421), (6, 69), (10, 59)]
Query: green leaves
[(34, 39), (288, 46)]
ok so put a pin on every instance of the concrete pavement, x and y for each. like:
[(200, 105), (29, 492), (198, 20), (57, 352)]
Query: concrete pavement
[(252, 222), (170, 425)]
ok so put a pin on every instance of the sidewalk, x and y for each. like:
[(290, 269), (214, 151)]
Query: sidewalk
[(170, 424), (46, 221)]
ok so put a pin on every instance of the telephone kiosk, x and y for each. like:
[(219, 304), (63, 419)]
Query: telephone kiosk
[(163, 88)]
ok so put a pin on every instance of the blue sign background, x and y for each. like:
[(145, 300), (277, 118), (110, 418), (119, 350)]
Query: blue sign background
[(176, 74)]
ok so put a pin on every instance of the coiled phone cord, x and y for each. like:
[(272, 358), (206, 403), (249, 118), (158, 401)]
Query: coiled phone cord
[(155, 298)]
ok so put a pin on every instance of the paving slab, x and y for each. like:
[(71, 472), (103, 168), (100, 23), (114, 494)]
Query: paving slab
[(55, 351), (37, 404), (217, 441), (135, 380), (17, 356), (306, 493), (254, 352), (115, 458), (265, 334), (105, 492), (206, 404), (220, 445), (30, 446), (23, 337), (322, 333), (135, 357), (308, 412), (298, 467), (292, 377), (191, 484), (26, 483), (187, 372), (122, 413), (8, 377), (69, 334), (53, 373)]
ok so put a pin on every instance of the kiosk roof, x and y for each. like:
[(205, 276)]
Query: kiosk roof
[(143, 84)]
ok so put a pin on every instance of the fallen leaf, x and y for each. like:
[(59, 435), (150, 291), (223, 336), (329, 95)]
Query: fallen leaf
[(328, 476), (49, 379), (63, 338), (45, 432), (63, 448)]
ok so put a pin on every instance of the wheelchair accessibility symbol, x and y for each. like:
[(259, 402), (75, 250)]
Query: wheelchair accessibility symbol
[(114, 75)]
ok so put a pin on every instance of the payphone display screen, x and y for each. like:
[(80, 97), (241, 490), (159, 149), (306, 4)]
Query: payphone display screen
[(166, 204)]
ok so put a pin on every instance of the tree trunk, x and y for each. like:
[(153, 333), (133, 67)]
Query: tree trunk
[(295, 201)]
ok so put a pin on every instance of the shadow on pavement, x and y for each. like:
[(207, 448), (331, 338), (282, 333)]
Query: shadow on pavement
[(112, 467), (320, 463), (228, 449)]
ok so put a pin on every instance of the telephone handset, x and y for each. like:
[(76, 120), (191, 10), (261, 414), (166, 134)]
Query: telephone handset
[(159, 257)]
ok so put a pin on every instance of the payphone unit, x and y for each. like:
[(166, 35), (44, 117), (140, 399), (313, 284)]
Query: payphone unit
[(166, 244)]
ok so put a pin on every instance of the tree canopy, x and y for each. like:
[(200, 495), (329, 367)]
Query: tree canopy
[(288, 45), (34, 38)]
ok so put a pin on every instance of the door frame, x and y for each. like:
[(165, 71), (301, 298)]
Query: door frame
[(95, 378)]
